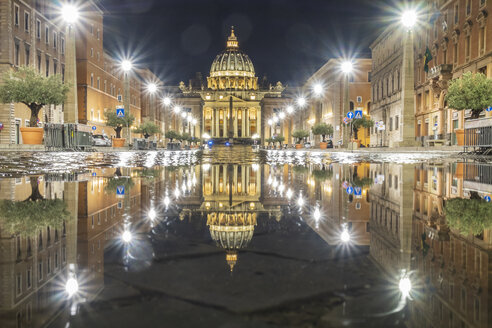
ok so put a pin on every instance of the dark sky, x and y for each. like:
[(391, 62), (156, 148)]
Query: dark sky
[(287, 40)]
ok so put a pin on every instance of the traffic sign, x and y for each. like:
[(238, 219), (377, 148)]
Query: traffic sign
[(346, 120), (345, 185), (94, 128), (487, 198), (120, 112), (120, 190), (489, 109), (94, 174), (357, 191), (350, 115), (350, 190), (358, 114)]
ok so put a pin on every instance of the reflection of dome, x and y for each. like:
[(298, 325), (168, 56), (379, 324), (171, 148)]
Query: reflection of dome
[(231, 231), (232, 69)]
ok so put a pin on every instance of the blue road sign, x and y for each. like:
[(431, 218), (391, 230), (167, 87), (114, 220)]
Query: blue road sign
[(120, 190), (120, 112), (94, 128), (350, 190), (357, 191), (350, 115), (358, 114), (94, 174), (487, 198), (489, 109)]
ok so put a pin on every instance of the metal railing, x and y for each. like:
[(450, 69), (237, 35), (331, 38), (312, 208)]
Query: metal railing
[(478, 133), (67, 136)]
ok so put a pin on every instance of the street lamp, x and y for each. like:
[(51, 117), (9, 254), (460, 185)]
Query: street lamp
[(318, 89), (289, 109), (409, 18), (346, 67), (151, 88), (177, 109), (301, 102), (126, 66), (166, 101), (70, 14)]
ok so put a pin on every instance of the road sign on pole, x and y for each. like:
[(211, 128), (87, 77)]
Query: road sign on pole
[(487, 198), (358, 114), (120, 190), (94, 128), (489, 109), (357, 191), (346, 120), (350, 115), (350, 190), (120, 112)]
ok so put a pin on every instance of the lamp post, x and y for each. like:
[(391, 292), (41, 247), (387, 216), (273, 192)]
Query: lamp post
[(408, 20), (166, 101), (152, 90), (318, 92), (346, 68), (289, 109), (127, 66), (70, 15)]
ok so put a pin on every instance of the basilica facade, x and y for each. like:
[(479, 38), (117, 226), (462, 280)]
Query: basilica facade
[(231, 104)]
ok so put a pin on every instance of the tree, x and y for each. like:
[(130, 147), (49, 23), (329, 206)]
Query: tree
[(300, 134), (322, 129), (322, 175), (196, 140), (278, 139), (186, 137), (118, 123), (33, 214), (363, 122), (468, 215), (171, 135), (471, 91), (148, 129), (25, 85)]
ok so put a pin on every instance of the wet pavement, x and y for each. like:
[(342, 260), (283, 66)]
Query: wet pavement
[(230, 237)]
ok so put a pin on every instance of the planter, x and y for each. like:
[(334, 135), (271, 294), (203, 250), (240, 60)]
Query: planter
[(460, 169), (460, 136), (118, 142), (298, 146), (32, 136), (323, 145)]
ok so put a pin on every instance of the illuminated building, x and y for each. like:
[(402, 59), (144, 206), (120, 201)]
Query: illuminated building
[(327, 107), (232, 103)]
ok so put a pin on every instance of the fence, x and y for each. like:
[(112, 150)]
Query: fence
[(478, 133), (67, 136)]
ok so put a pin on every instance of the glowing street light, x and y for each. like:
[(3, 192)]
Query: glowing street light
[(126, 65), (183, 115), (270, 122), (70, 13), (345, 236), (281, 115), (151, 87), (166, 101), (152, 214), (71, 286), (275, 119), (289, 109), (177, 109), (317, 214), (301, 101), (126, 236), (409, 18), (347, 67), (300, 201), (318, 89), (167, 201), (405, 286)]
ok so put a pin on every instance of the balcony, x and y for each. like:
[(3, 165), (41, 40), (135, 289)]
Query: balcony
[(440, 70)]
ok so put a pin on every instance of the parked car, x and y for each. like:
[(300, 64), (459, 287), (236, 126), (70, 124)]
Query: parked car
[(101, 140)]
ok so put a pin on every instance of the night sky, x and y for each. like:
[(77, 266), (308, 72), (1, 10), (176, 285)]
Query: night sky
[(287, 40)]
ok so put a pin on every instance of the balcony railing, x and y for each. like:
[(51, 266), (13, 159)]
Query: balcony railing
[(439, 70)]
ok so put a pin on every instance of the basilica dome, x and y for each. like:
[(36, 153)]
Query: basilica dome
[(232, 69)]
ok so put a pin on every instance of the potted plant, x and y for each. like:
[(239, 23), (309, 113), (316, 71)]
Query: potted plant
[(186, 137), (172, 135), (279, 139), (33, 214), (196, 141), (269, 141), (300, 135), (471, 91), (323, 130), (148, 129), (25, 85), (118, 123), (359, 123)]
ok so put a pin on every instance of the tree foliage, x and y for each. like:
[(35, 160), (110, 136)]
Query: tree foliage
[(300, 134), (148, 129), (185, 137), (468, 215), (118, 123), (362, 182), (171, 135), (363, 122), (323, 130), (25, 85), (115, 182), (322, 175), (471, 91), (279, 139)]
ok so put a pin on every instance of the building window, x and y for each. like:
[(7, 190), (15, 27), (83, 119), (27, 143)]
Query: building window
[(92, 80), (467, 48), (481, 41), (456, 14), (92, 29), (26, 22), (27, 54), (92, 52), (18, 284), (468, 8), (29, 278), (105, 87), (54, 39), (63, 73), (98, 34), (40, 269), (16, 15), (98, 83), (47, 35), (16, 54), (62, 46), (482, 3), (38, 29), (391, 124), (39, 62), (55, 67), (455, 53), (47, 67), (477, 309), (397, 122)]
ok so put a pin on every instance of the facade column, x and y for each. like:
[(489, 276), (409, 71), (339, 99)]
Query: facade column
[(70, 109), (248, 128), (249, 168), (235, 111), (217, 120), (224, 180), (235, 190), (224, 134), (243, 122), (259, 129)]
